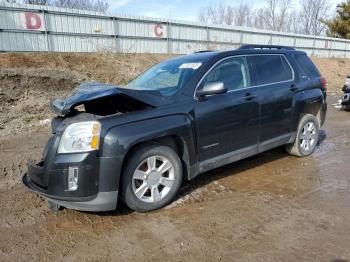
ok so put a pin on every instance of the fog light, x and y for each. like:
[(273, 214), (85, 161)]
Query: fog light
[(72, 178)]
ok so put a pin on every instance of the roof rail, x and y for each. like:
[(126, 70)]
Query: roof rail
[(203, 51), (279, 47)]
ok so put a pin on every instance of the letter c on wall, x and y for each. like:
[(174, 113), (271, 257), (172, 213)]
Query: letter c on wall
[(32, 21), (158, 30)]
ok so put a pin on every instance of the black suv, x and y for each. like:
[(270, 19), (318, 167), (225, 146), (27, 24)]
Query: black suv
[(178, 119)]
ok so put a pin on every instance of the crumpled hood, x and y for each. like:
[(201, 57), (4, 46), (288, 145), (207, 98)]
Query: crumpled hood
[(91, 91)]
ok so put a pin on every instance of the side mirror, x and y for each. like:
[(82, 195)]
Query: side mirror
[(213, 88)]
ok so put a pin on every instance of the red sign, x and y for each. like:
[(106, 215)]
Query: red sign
[(159, 30), (33, 21)]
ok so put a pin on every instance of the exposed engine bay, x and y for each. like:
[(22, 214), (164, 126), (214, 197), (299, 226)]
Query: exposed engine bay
[(98, 99), (91, 101)]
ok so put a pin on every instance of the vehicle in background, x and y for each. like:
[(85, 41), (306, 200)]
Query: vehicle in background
[(345, 103), (179, 119)]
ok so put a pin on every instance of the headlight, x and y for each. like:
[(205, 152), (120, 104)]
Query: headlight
[(80, 137)]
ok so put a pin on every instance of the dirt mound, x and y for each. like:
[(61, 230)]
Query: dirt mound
[(334, 70), (116, 68), (29, 81), (26, 92), (16, 83)]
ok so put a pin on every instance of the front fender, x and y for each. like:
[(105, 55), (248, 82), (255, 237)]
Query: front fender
[(119, 140)]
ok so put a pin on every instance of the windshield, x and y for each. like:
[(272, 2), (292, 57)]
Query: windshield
[(167, 77)]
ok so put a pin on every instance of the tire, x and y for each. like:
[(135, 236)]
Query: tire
[(54, 207), (346, 108), (151, 178), (307, 137)]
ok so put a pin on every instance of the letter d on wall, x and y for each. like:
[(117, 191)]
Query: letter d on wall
[(32, 21)]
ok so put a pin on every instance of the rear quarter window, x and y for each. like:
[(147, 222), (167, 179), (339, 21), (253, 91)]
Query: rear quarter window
[(306, 65), (271, 69)]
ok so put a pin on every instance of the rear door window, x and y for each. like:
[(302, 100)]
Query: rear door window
[(271, 69), (308, 68)]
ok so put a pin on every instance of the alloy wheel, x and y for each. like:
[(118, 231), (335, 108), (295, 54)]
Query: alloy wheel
[(308, 137), (153, 179)]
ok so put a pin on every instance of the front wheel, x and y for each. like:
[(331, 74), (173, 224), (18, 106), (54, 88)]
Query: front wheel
[(151, 179), (55, 207), (307, 137)]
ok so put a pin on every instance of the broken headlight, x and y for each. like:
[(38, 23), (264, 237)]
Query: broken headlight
[(80, 137)]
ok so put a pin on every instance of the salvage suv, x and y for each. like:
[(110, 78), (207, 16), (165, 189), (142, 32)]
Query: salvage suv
[(180, 118)]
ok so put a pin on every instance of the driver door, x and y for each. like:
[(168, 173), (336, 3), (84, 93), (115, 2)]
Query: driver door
[(227, 124)]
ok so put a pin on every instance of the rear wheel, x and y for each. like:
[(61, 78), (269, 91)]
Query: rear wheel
[(307, 137), (151, 179)]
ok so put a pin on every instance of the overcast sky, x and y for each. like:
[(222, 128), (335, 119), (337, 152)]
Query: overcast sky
[(175, 9)]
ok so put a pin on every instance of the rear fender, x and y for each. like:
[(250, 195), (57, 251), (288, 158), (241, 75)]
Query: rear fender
[(309, 101)]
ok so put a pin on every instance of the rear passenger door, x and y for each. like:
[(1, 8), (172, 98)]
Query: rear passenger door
[(274, 78)]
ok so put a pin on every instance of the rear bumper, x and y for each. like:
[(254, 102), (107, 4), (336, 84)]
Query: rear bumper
[(324, 113), (102, 201)]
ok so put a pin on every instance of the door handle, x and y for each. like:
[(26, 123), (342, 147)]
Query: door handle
[(249, 97), (293, 88)]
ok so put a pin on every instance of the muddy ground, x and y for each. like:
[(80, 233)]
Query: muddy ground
[(271, 207)]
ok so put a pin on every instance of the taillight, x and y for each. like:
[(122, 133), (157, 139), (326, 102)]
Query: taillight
[(324, 83)]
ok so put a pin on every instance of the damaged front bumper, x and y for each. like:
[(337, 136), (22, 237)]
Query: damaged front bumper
[(51, 178), (86, 180), (103, 201)]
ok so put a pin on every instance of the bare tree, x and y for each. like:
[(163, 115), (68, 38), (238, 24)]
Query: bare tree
[(293, 22), (214, 14), (277, 15), (225, 14), (242, 14), (311, 14), (230, 15), (93, 5), (36, 2), (259, 19), (203, 15)]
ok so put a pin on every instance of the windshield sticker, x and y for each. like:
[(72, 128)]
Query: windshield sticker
[(193, 66)]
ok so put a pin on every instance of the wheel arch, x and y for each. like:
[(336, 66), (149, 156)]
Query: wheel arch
[(173, 141), (313, 108), (308, 102)]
